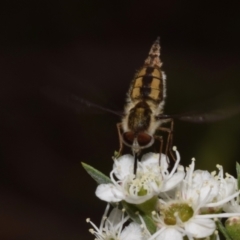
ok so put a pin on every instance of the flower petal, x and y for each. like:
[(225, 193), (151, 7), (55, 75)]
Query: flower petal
[(153, 160), (173, 181), (109, 193), (200, 228), (231, 186), (123, 166), (131, 232), (150, 159), (169, 234), (231, 207), (115, 216)]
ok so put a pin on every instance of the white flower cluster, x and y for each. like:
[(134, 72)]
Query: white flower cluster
[(181, 203), (152, 178)]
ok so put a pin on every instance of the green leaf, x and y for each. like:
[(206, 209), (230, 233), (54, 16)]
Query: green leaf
[(98, 176), (132, 209), (238, 174), (223, 230)]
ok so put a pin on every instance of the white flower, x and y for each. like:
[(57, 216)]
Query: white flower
[(182, 214), (232, 206), (180, 219), (111, 228), (213, 190), (152, 177)]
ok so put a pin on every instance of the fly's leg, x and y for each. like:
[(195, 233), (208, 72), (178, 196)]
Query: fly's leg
[(119, 128), (160, 139), (169, 131), (170, 141)]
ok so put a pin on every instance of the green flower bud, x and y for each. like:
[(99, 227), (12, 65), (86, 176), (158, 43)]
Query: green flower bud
[(233, 227)]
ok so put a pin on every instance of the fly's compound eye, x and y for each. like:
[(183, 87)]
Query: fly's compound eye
[(144, 140), (128, 138)]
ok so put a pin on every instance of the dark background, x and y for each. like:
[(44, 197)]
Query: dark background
[(50, 50)]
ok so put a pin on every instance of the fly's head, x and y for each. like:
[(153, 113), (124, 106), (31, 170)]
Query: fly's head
[(137, 141)]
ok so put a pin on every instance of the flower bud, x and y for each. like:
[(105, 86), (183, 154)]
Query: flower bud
[(233, 227)]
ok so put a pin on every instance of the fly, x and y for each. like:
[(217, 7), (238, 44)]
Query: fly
[(145, 104), (144, 109)]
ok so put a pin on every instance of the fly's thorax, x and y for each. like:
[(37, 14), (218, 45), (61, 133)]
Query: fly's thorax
[(138, 116), (148, 84), (141, 116), (139, 124)]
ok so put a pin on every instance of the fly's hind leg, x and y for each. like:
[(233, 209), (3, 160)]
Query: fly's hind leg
[(160, 139), (119, 129), (169, 131)]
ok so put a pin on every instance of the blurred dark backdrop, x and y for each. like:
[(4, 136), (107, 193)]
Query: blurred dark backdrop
[(50, 50)]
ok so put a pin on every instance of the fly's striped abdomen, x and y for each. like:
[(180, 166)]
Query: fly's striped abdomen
[(149, 82), (148, 85)]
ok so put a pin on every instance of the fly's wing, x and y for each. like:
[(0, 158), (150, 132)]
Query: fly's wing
[(72, 91), (68, 99), (93, 105), (209, 117)]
